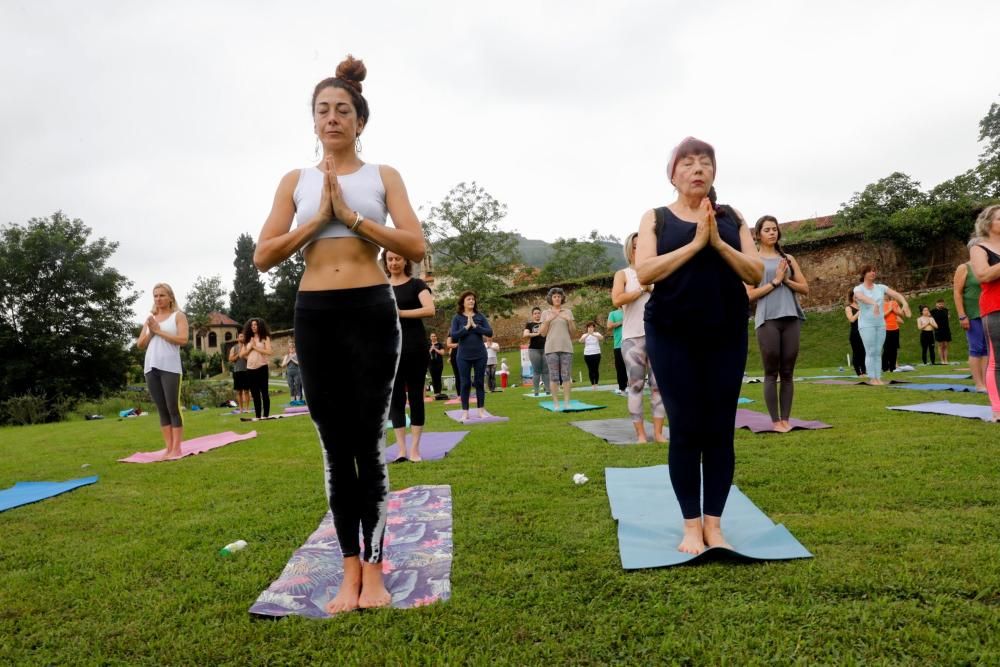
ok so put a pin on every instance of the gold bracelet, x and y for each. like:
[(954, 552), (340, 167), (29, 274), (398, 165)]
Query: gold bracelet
[(358, 219)]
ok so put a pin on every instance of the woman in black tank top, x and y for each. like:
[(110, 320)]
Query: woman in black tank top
[(698, 256)]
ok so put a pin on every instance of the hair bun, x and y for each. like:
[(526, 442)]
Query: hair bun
[(352, 71)]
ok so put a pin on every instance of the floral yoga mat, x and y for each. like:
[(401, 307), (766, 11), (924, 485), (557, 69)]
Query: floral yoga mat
[(416, 561)]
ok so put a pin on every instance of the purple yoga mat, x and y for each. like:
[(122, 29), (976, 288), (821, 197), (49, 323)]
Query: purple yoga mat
[(474, 417), (761, 423), (433, 445), (296, 409), (416, 559), (193, 446)]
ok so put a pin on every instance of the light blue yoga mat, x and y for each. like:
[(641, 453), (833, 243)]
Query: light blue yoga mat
[(983, 412), (572, 406), (947, 376), (743, 399), (650, 525), (931, 386), (23, 493)]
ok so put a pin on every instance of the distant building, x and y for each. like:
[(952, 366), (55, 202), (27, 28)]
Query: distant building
[(219, 335)]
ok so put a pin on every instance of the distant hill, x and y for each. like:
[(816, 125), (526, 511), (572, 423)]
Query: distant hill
[(536, 253)]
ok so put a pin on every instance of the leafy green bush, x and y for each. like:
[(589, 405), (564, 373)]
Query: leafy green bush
[(24, 409)]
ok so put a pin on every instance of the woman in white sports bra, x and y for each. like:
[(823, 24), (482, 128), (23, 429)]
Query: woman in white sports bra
[(346, 324)]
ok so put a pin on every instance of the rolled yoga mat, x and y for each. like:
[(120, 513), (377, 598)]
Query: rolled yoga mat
[(474, 417), (983, 412), (758, 422), (572, 406), (616, 431), (191, 447), (24, 493), (433, 445), (930, 386), (650, 524), (416, 559)]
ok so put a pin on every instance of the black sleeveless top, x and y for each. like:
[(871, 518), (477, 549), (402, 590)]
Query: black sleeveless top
[(408, 298), (705, 294), (854, 324)]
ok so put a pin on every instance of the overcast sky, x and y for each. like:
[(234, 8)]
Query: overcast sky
[(166, 126)]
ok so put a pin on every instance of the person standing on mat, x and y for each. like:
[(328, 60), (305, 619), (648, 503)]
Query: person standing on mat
[(559, 329), (468, 328), (435, 363), (697, 256), (536, 351), (943, 333), (162, 335), (491, 362), (631, 297), (346, 325), (240, 385), (852, 311), (892, 314), (871, 320), (967, 292), (415, 302), (778, 320), (293, 376), (615, 326), (592, 353), (257, 352), (926, 325), (984, 256)]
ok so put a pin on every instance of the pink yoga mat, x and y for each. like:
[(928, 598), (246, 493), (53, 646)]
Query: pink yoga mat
[(193, 446), (761, 423)]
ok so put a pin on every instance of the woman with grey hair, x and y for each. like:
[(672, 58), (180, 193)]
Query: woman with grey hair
[(559, 329), (984, 256), (631, 296)]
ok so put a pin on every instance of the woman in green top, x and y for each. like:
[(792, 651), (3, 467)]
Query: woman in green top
[(966, 292)]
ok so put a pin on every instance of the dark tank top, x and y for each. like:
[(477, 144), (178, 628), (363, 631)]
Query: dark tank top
[(704, 295), (854, 324)]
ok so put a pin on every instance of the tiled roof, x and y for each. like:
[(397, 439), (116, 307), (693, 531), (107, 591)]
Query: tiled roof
[(216, 319)]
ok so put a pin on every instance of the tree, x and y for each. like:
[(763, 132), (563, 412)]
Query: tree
[(595, 304), (285, 280), (988, 171), (572, 258), (65, 315), (469, 247), (206, 296), (247, 298), (881, 199)]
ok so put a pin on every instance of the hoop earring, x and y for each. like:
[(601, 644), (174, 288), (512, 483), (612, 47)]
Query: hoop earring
[(357, 144), (316, 149)]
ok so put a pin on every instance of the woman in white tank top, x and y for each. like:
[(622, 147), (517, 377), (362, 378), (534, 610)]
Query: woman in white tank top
[(162, 335), (346, 325), (631, 296)]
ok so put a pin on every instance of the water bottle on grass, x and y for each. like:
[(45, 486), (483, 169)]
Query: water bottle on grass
[(232, 548)]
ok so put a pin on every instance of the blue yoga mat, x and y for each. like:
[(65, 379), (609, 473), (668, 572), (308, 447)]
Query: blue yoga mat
[(572, 406), (931, 386), (650, 525), (23, 493)]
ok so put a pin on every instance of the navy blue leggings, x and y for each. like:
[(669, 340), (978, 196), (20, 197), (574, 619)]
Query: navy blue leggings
[(700, 375), (478, 367)]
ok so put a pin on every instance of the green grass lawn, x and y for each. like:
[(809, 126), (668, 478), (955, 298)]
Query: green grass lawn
[(899, 509)]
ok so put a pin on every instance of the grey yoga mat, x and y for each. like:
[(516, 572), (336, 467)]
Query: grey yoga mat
[(947, 376), (758, 422), (931, 386), (650, 524), (616, 431), (983, 412)]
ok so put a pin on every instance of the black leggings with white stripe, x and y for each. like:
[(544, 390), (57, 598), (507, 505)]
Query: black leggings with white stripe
[(348, 343)]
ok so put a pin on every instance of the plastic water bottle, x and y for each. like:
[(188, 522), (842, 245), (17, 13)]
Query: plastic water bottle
[(233, 547)]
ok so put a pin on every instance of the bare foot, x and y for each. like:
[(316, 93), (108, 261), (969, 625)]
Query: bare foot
[(346, 598), (414, 454), (712, 533), (787, 424), (640, 432), (779, 427), (373, 591), (464, 417), (693, 542), (982, 389), (482, 414)]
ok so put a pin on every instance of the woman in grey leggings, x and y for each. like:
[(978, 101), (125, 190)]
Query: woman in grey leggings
[(778, 320), (162, 335)]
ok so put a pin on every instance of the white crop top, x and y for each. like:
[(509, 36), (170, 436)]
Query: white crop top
[(363, 191)]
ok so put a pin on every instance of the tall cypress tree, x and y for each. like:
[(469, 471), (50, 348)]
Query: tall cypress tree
[(247, 298)]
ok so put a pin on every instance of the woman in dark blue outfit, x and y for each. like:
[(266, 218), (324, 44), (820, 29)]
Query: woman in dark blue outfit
[(698, 256), (467, 329)]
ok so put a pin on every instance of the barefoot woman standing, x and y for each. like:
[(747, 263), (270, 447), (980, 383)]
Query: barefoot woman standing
[(696, 333), (345, 311)]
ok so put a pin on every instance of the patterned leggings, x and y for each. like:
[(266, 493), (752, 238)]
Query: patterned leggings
[(638, 368)]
